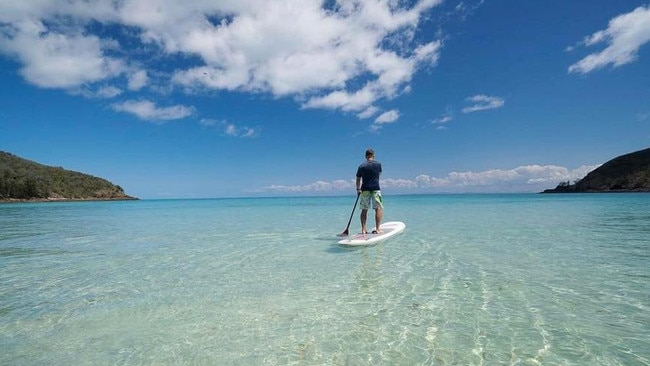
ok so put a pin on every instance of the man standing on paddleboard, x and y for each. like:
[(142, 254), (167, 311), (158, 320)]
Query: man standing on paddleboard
[(368, 188)]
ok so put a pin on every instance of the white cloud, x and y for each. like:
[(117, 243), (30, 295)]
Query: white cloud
[(230, 129), (529, 178), (387, 117), (138, 80), (148, 110), (361, 99), (51, 59), (442, 121), (338, 56), (624, 36), (316, 187), (483, 102), (466, 10), (369, 112), (429, 53), (249, 132), (109, 92), (99, 92)]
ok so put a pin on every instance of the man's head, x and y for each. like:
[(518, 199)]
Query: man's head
[(370, 154)]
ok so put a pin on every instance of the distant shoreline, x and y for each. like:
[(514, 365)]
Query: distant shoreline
[(41, 200), (561, 191)]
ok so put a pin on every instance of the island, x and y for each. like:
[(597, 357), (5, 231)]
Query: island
[(23, 180), (626, 173)]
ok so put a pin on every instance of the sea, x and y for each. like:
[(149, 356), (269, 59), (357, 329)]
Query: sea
[(498, 279)]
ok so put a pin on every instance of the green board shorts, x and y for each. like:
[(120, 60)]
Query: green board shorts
[(368, 197)]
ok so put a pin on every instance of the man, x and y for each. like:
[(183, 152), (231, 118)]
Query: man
[(369, 191)]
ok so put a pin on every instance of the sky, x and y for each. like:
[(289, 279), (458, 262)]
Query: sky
[(239, 98)]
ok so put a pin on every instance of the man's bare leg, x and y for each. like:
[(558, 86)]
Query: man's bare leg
[(364, 219), (379, 213)]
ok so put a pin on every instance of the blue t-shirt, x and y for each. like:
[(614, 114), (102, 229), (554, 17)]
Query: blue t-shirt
[(369, 172)]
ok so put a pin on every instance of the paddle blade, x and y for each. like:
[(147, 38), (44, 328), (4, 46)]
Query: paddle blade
[(344, 234)]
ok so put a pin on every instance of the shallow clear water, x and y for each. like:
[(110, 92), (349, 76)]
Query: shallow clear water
[(474, 280)]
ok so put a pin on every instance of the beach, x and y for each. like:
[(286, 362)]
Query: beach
[(517, 279)]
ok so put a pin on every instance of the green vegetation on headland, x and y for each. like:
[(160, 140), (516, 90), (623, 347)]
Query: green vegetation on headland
[(25, 180), (626, 173)]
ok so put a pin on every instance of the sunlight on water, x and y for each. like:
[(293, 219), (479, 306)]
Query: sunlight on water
[(474, 280)]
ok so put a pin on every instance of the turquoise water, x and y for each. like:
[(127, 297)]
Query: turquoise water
[(474, 280)]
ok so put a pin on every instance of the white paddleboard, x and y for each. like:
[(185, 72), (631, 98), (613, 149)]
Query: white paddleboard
[(388, 229)]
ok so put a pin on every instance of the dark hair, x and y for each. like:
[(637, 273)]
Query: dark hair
[(369, 153)]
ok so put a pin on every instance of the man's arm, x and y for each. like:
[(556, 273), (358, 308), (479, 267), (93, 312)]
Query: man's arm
[(358, 184)]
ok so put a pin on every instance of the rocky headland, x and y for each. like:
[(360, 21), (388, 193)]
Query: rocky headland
[(625, 173), (22, 180)]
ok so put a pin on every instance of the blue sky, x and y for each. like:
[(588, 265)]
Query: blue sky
[(282, 97)]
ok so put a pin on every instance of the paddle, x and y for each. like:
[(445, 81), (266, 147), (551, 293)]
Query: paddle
[(346, 232)]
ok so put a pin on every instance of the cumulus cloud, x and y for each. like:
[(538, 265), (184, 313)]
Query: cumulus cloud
[(529, 178), (624, 36), (148, 110), (524, 178), (62, 59), (138, 80), (336, 55), (483, 102)]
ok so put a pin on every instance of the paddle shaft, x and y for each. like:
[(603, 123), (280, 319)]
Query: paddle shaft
[(346, 232)]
